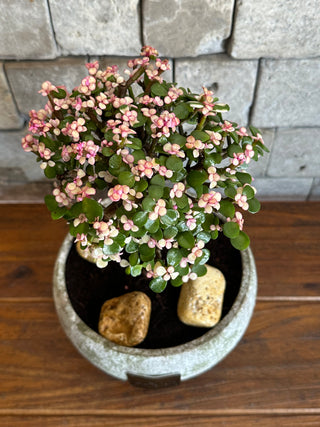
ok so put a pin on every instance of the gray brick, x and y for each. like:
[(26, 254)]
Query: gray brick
[(26, 79), (25, 30), (296, 153), (288, 93), (258, 169), (315, 190), (187, 28), (97, 27), (285, 189), (232, 81), (9, 117), (278, 29), (13, 156)]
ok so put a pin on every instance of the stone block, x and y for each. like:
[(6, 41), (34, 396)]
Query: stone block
[(288, 93), (187, 28), (9, 117), (315, 190), (284, 189), (26, 79), (232, 81), (97, 28), (296, 152), (12, 156), (259, 168), (25, 30), (276, 29)]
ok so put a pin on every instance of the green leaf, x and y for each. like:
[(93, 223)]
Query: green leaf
[(140, 218), (170, 218), (134, 258), (254, 130), (176, 282), (196, 177), (141, 185), (158, 89), (234, 149), (254, 205), (107, 151), (244, 178), (50, 172), (112, 249), (186, 240), (155, 191), (212, 160), (177, 138), (174, 256), (146, 253), (148, 204), (138, 155), (204, 257), (182, 111), (92, 209), (227, 208), (51, 202), (135, 143), (60, 94), (115, 161), (204, 236), (136, 270), (152, 226), (182, 201), (234, 136), (126, 178), (199, 269), (132, 247), (158, 285), (158, 180), (174, 163), (248, 191), (199, 134), (230, 192), (170, 232), (240, 242), (231, 229)]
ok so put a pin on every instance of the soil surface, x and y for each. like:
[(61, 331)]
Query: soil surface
[(89, 287)]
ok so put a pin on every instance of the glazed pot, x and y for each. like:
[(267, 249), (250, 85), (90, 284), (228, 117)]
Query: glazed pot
[(157, 367)]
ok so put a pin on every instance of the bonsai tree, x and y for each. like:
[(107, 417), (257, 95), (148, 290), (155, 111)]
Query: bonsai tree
[(145, 172)]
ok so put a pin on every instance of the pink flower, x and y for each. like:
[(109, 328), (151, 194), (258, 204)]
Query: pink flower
[(213, 176), (241, 200), (149, 51), (215, 137), (158, 210), (242, 131), (173, 149), (227, 126), (163, 171), (46, 88), (177, 190), (208, 201), (173, 94), (119, 192), (128, 224)]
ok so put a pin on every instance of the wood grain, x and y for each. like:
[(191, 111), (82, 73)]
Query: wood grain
[(272, 378), (276, 365)]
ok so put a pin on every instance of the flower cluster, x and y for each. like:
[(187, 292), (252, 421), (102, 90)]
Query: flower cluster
[(142, 168)]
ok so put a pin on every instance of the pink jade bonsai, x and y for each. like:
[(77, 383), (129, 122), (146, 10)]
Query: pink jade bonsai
[(164, 157)]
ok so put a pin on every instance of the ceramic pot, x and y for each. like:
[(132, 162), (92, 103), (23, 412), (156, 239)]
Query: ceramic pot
[(157, 367)]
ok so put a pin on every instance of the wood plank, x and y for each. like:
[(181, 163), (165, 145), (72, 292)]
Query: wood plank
[(162, 421), (285, 240), (276, 366)]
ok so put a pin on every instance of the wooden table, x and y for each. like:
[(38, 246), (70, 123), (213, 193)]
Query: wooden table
[(272, 378)]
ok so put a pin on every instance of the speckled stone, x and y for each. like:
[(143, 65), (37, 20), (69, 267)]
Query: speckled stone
[(125, 320), (200, 301)]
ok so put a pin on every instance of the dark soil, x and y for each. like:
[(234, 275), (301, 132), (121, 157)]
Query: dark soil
[(89, 287)]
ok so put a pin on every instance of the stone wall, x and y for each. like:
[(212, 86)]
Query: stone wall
[(262, 58)]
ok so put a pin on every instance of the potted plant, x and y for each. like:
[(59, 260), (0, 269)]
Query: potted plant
[(147, 175)]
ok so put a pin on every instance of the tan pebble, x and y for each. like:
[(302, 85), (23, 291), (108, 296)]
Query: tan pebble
[(200, 301), (125, 320), (84, 254)]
